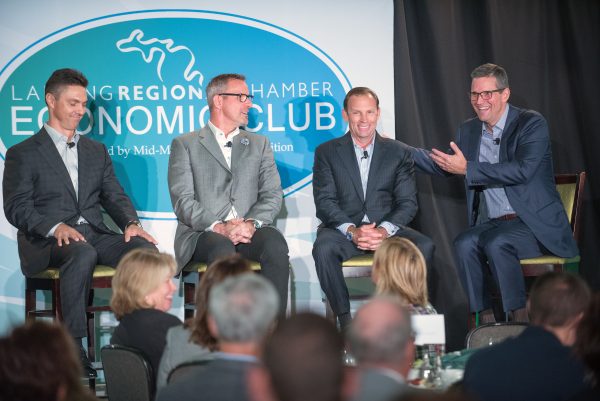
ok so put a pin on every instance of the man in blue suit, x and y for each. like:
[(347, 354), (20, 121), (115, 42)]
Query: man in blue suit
[(364, 190), (514, 209)]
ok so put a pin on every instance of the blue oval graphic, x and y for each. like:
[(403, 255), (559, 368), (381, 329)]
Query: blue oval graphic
[(147, 72)]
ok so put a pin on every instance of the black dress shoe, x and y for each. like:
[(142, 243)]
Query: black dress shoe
[(88, 370)]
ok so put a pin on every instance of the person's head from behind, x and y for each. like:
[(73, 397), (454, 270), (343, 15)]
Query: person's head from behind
[(381, 335), (38, 361), (399, 269), (242, 309), (587, 344), (143, 280), (557, 302), (218, 271), (66, 99), (304, 359)]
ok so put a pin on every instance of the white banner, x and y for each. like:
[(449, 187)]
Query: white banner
[(147, 66)]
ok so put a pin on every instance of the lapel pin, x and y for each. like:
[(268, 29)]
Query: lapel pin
[(244, 141)]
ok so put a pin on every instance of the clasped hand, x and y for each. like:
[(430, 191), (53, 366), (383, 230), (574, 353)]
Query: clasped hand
[(368, 237), (237, 230)]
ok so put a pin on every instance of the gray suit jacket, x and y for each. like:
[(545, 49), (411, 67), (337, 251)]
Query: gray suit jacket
[(221, 380), (38, 194), (203, 188)]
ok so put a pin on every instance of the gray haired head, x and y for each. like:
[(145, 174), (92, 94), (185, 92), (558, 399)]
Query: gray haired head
[(243, 307), (380, 331)]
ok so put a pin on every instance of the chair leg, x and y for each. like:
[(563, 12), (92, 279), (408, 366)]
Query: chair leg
[(56, 303), (29, 301)]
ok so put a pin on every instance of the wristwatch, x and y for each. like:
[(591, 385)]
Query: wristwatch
[(255, 223), (136, 222), (349, 234)]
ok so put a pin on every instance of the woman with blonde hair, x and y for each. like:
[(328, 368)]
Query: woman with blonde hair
[(142, 295), (193, 341), (399, 269)]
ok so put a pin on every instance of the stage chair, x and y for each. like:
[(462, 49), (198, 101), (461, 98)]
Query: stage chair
[(190, 277), (128, 374), (570, 187), (356, 267), (49, 280), (185, 369), (493, 333)]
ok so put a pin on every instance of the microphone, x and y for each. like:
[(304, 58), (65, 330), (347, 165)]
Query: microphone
[(70, 145), (497, 141), (365, 155), (228, 144)]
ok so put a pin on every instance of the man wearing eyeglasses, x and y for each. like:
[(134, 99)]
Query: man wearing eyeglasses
[(225, 188), (514, 209)]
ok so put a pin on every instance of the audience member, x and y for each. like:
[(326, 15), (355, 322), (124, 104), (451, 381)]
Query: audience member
[(193, 340), (539, 364), (241, 312), (380, 338), (142, 295), (39, 361), (399, 270), (302, 360), (587, 346)]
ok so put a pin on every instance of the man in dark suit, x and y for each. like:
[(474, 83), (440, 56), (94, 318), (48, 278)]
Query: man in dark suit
[(380, 338), (241, 313), (226, 190), (364, 191), (514, 209), (55, 186), (539, 364)]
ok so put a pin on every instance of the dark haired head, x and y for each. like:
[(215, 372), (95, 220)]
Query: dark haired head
[(360, 91), (557, 298), (492, 70), (304, 359), (38, 361), (64, 77), (218, 271)]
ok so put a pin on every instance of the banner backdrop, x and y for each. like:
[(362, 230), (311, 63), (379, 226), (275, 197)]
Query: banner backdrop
[(148, 67)]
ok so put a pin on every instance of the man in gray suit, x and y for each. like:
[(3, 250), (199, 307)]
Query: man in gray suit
[(380, 338), (226, 190), (241, 312), (364, 189), (55, 185)]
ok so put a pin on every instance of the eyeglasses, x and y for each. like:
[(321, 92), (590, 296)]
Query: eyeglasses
[(485, 95), (242, 97)]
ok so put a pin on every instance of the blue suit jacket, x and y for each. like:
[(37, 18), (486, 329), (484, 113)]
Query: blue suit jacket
[(524, 169), (391, 190), (533, 366)]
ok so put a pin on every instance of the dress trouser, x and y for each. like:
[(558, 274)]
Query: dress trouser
[(331, 248), (267, 246), (499, 244), (76, 262)]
